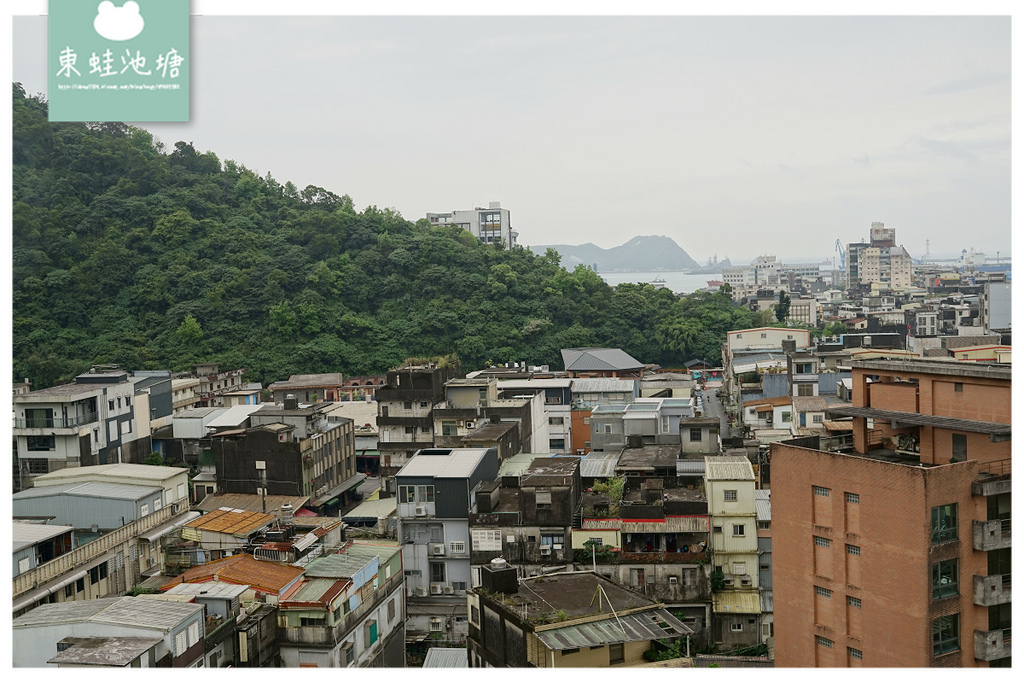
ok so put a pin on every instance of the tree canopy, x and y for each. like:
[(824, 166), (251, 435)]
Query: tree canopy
[(127, 253)]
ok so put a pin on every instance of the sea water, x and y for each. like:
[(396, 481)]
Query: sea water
[(678, 282)]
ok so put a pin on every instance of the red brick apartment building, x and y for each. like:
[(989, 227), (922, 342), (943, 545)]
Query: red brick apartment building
[(898, 554)]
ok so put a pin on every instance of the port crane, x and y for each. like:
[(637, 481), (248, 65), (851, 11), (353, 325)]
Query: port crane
[(842, 255)]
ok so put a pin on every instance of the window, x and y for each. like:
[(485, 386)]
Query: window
[(42, 443), (437, 572), (739, 567), (730, 495), (551, 539), (449, 428), (959, 448), (853, 549), (474, 615), (556, 420), (803, 389), (737, 529), (736, 626), (459, 585), (852, 497), (944, 523), (110, 404), (787, 416), (946, 634), (543, 500), (424, 404), (823, 592), (822, 542), (416, 494), (193, 633), (945, 579), (586, 420), (852, 601), (410, 430), (855, 653), (407, 405), (695, 434), (570, 651), (607, 429), (556, 444), (616, 653), (824, 642), (716, 529), (821, 491), (764, 335), (817, 419), (958, 387), (458, 547)]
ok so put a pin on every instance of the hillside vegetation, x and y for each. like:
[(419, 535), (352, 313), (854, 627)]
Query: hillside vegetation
[(125, 252)]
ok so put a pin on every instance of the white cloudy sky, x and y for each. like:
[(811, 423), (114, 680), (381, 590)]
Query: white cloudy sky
[(735, 136)]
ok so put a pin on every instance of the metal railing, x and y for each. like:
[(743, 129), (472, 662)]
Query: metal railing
[(84, 553), (329, 635), (54, 422)]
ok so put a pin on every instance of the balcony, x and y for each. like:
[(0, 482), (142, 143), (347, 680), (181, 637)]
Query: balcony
[(54, 422), (661, 557), (991, 590), (329, 636), (993, 534), (992, 645)]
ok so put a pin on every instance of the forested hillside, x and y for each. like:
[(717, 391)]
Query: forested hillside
[(124, 252)]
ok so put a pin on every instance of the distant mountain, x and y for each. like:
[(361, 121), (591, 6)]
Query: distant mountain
[(643, 253)]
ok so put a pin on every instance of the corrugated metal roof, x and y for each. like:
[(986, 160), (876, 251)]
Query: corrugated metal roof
[(91, 489), (124, 469), (599, 464), (446, 658), (62, 612), (249, 501), (597, 385), (691, 467), (638, 626), (544, 383), (737, 602), (124, 611), (350, 560), (209, 589), (234, 522), (25, 534), (316, 590), (233, 416), (763, 505), (373, 509), (263, 575), (720, 468)]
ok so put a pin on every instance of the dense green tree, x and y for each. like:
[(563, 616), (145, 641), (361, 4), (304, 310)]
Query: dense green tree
[(120, 248)]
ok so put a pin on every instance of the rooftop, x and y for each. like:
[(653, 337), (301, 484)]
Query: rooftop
[(726, 468), (351, 559), (662, 456), (263, 575), (103, 651), (446, 658), (937, 366), (328, 379), (599, 464), (518, 464), (575, 594), (208, 589), (123, 470), (91, 489), (231, 521), (249, 501), (598, 359), (124, 611), (597, 385), (25, 534), (444, 463)]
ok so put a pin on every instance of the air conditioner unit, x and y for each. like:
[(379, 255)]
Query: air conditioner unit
[(421, 511), (437, 548), (436, 589), (449, 590), (557, 546), (421, 591), (470, 424), (673, 579), (545, 550)]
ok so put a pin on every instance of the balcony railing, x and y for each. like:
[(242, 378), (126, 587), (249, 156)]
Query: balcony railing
[(331, 635), (54, 422), (660, 556)]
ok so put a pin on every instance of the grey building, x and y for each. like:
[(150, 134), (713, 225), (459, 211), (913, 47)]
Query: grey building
[(492, 225), (90, 505), (436, 491)]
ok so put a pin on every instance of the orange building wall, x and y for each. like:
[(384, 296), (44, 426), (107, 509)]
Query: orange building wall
[(901, 397), (580, 431), (891, 525)]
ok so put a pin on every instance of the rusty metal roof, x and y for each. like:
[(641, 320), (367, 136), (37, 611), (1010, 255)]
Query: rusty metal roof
[(231, 521), (263, 575)]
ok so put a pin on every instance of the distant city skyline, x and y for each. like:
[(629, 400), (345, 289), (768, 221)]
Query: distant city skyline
[(735, 136)]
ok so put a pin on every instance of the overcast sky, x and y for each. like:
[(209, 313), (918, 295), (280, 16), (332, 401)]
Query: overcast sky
[(735, 136)]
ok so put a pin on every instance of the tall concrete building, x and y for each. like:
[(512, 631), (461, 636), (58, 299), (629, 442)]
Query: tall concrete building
[(491, 225), (897, 554), (879, 262)]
